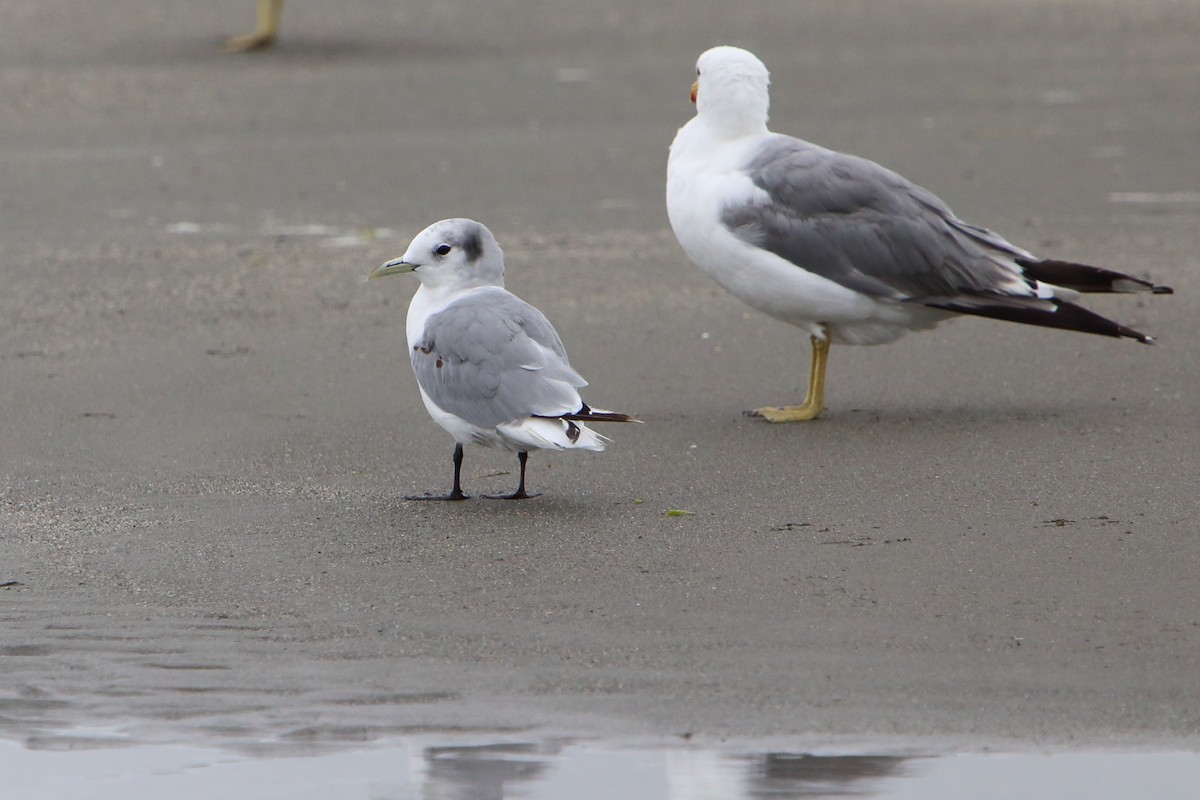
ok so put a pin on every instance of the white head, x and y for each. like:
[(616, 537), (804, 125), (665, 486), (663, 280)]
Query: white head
[(732, 90), (459, 253)]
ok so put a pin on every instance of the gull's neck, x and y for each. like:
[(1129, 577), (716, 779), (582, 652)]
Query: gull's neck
[(705, 134), (451, 281), (734, 110), (728, 128), (713, 128)]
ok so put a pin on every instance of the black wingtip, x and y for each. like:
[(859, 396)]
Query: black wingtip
[(1052, 313), (1162, 290)]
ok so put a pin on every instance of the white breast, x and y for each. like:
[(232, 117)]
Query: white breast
[(699, 189)]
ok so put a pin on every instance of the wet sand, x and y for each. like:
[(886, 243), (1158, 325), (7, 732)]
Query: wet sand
[(210, 425)]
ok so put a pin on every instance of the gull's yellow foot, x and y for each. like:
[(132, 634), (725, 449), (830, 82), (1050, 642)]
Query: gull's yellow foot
[(269, 12), (251, 41), (814, 401), (799, 413)]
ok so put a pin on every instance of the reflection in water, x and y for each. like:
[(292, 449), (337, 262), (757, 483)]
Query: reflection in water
[(780, 775), (483, 772), (492, 772), (704, 774), (418, 769)]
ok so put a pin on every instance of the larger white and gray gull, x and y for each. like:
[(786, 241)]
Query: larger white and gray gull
[(491, 368), (841, 246)]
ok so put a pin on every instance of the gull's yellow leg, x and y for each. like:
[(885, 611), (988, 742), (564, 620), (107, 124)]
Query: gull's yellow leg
[(814, 401), (269, 12)]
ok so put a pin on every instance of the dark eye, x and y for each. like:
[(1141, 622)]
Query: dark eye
[(443, 249)]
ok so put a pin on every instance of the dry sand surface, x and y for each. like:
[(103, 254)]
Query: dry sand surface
[(208, 421)]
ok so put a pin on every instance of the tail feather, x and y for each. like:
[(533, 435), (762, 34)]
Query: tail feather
[(588, 414), (1085, 278), (600, 416)]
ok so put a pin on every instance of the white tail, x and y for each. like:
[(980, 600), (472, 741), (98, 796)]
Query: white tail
[(552, 434)]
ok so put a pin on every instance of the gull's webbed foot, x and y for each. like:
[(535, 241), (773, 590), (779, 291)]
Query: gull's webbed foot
[(455, 494), (251, 41), (814, 402), (519, 494), (798, 413)]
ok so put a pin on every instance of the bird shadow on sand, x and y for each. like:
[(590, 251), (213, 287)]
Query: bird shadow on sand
[(555, 504), (979, 417)]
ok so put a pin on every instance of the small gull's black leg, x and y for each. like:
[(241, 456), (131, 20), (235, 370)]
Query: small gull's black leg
[(456, 493), (520, 493)]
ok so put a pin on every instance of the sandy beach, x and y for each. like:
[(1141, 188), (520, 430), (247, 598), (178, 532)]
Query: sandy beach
[(209, 421)]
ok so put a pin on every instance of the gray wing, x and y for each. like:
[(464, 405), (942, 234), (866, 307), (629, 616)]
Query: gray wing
[(492, 358), (867, 228)]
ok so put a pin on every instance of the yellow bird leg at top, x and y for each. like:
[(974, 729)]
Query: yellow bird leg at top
[(269, 12)]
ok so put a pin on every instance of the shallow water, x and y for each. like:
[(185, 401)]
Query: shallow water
[(94, 765)]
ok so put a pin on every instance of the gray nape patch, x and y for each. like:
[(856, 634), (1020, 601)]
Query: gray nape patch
[(473, 245)]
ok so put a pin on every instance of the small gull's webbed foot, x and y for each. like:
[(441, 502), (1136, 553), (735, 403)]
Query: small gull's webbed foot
[(520, 493), (456, 493), (814, 401)]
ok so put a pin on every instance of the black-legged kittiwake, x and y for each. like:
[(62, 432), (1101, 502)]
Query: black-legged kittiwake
[(491, 368)]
